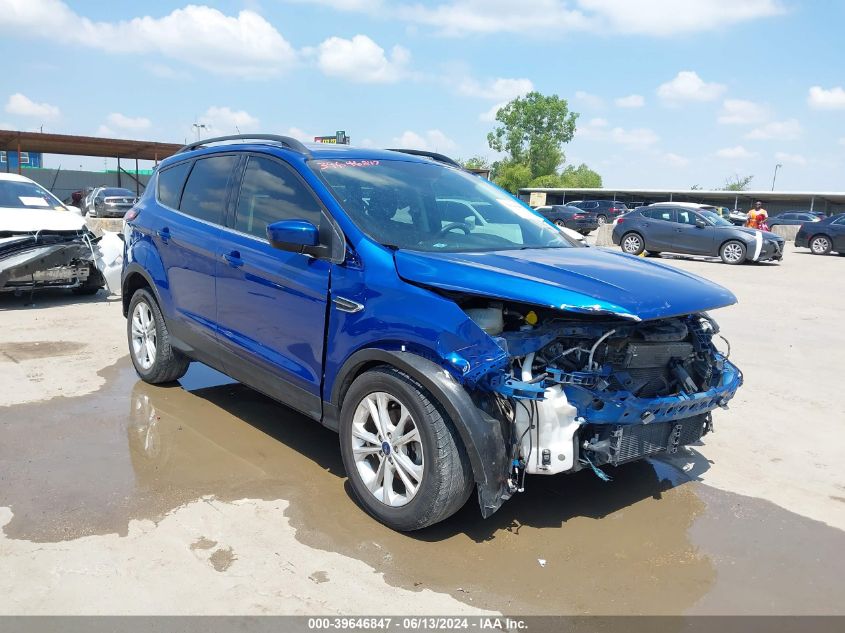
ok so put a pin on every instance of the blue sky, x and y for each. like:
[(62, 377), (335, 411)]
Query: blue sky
[(670, 93)]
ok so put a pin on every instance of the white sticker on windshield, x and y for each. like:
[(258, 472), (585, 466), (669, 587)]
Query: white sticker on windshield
[(32, 201)]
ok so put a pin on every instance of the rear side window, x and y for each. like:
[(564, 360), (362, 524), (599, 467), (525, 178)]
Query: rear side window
[(170, 183), (205, 192), (659, 214), (271, 192)]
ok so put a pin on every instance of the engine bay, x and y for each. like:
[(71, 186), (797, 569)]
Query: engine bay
[(581, 391)]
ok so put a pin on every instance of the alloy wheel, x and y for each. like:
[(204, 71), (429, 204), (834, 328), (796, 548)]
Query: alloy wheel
[(144, 335), (733, 253), (387, 449), (820, 245), (632, 244)]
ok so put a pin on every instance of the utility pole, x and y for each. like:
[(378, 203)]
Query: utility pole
[(775, 177), (199, 127)]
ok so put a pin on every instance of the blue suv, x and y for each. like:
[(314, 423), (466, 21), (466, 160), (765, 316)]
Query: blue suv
[(454, 339)]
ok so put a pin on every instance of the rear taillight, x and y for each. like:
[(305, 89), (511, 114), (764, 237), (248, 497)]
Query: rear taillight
[(620, 220), (131, 214), (578, 216)]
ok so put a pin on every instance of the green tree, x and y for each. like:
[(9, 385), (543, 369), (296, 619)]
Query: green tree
[(474, 162), (532, 130), (511, 176), (581, 176), (737, 183)]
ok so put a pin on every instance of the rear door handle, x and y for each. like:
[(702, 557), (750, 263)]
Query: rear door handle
[(164, 234), (233, 258)]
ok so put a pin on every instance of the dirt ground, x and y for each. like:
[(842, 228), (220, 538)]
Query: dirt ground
[(118, 497)]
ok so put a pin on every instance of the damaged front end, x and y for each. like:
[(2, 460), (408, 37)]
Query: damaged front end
[(48, 259), (578, 390)]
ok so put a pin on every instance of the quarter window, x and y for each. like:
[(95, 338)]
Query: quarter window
[(205, 192), (170, 183), (271, 192)]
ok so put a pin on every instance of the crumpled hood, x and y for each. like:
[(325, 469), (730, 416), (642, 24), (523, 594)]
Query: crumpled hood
[(582, 280), (767, 235), (31, 220)]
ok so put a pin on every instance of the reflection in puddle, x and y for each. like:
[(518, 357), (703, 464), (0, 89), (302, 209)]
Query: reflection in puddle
[(89, 465)]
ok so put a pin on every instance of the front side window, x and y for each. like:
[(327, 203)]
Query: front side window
[(271, 192), (170, 182), (684, 216), (204, 196), (714, 218), (429, 207)]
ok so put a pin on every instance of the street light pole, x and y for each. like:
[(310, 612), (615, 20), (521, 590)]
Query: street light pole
[(775, 177), (199, 126)]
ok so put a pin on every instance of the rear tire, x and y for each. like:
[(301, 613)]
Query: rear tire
[(632, 243), (433, 459), (560, 223), (602, 219), (732, 252), (155, 360), (820, 245)]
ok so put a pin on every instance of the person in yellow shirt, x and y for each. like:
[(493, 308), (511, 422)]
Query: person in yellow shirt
[(756, 216)]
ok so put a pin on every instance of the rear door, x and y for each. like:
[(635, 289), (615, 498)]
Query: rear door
[(271, 304), (658, 228), (188, 239)]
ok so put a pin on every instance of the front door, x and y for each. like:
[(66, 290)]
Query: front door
[(837, 233), (271, 304), (692, 234)]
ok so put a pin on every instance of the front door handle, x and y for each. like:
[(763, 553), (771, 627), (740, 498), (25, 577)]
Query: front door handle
[(233, 258), (164, 234)]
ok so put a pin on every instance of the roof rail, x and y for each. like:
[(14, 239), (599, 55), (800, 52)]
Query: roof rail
[(440, 158), (285, 141)]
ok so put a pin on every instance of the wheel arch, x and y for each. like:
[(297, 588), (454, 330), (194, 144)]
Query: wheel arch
[(480, 434), (135, 278)]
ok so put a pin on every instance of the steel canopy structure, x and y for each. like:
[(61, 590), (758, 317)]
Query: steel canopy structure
[(12, 140), (831, 202)]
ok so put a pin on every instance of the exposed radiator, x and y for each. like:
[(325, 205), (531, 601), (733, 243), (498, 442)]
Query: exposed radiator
[(635, 441)]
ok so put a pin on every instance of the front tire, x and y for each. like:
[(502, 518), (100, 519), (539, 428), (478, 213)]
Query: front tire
[(820, 245), (632, 243), (732, 252), (602, 219), (155, 360), (405, 461)]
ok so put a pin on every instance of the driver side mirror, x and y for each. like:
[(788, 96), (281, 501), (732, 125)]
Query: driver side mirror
[(295, 236), (700, 224)]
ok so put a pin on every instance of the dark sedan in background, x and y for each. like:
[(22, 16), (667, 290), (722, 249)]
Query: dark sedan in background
[(824, 236), (605, 210), (109, 202), (570, 217), (792, 218), (693, 232)]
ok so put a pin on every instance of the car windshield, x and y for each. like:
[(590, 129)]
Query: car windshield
[(120, 193), (714, 218), (19, 194), (431, 207)]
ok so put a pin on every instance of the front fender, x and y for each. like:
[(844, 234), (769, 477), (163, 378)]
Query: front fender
[(480, 433)]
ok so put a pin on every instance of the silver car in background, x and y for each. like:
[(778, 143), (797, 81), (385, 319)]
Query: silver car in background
[(109, 202)]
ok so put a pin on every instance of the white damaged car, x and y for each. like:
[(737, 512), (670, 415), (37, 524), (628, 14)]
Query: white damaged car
[(43, 242)]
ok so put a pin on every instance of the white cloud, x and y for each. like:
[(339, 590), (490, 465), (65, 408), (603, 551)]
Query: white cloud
[(433, 140), (22, 105), (671, 17), (245, 45), (639, 137), (649, 17), (688, 86), (821, 99), (742, 112), (502, 89), (788, 130), (301, 135), (797, 159), (224, 120), (499, 89), (128, 123), (589, 100), (361, 60), (631, 101), (735, 152), (459, 17), (675, 159)]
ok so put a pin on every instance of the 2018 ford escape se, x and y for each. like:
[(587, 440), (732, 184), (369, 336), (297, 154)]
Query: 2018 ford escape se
[(450, 355)]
